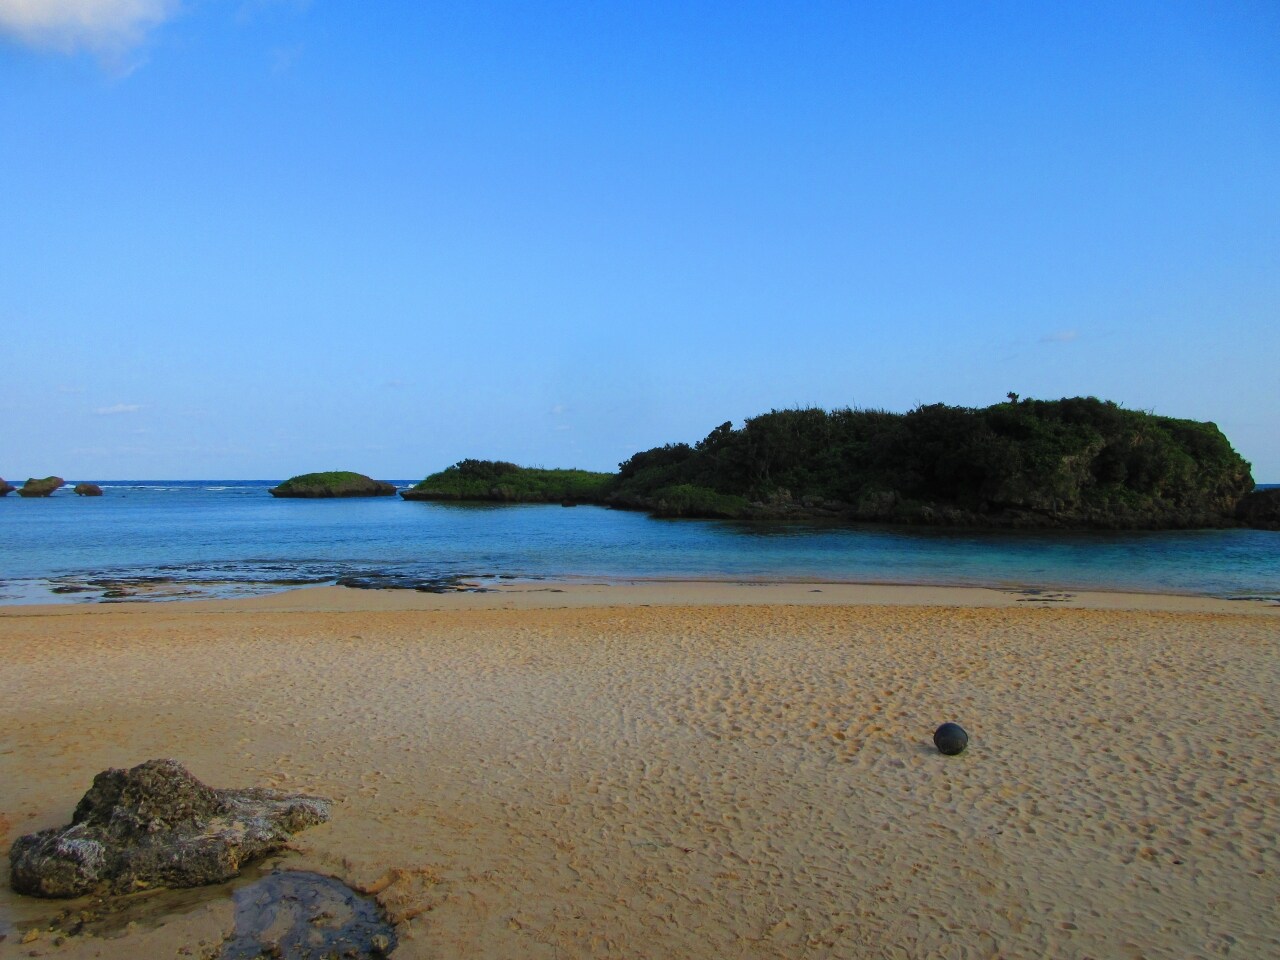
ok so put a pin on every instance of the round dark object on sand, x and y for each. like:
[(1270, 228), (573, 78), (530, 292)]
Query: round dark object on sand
[(950, 739)]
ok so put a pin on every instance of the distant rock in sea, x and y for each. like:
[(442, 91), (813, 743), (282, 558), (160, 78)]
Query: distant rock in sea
[(6, 488), (157, 825), (335, 483), (88, 490), (41, 488)]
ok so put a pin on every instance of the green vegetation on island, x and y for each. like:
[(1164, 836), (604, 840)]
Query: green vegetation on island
[(505, 482), (1071, 463), (1077, 462), (334, 483)]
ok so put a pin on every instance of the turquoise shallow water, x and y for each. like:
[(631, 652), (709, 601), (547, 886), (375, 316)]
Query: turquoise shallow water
[(231, 537)]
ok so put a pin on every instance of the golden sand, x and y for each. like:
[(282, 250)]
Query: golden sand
[(695, 770)]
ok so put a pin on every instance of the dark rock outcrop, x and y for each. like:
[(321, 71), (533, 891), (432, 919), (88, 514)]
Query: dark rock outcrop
[(1260, 509), (157, 825), (41, 488), (6, 488), (335, 483), (88, 490)]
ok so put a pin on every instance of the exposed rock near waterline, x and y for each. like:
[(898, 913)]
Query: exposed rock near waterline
[(88, 490), (157, 825), (6, 488), (1260, 509), (41, 488)]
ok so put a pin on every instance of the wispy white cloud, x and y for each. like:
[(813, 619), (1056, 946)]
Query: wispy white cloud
[(1061, 336), (118, 408), (559, 409), (106, 27)]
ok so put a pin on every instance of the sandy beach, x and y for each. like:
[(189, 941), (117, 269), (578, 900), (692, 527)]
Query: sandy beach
[(692, 770)]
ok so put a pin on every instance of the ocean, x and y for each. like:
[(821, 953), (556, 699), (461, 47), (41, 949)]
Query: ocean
[(171, 539)]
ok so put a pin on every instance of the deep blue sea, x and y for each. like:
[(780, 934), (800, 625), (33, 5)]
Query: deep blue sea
[(157, 539)]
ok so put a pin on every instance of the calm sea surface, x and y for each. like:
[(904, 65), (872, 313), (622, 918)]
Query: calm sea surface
[(229, 538)]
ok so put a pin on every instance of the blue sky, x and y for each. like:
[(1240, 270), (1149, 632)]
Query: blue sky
[(254, 239)]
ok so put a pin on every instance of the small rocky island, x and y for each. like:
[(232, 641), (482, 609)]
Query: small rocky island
[(87, 490), (6, 488), (41, 488), (334, 483)]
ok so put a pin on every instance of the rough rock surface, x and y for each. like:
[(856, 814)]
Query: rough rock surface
[(41, 488), (88, 490), (337, 483), (6, 488), (1260, 509), (157, 825)]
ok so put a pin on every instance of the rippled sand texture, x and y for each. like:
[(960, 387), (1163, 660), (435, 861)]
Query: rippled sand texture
[(718, 782)]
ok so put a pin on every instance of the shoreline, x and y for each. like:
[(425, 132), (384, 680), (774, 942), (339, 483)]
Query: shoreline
[(483, 593)]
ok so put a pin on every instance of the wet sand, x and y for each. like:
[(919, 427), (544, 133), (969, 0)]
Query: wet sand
[(693, 770)]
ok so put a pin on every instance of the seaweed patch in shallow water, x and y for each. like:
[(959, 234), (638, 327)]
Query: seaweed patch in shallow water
[(306, 916), (379, 580)]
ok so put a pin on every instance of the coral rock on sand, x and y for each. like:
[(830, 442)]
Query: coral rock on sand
[(41, 488), (157, 825)]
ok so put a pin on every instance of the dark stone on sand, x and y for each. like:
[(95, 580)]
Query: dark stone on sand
[(6, 488), (88, 490), (950, 739), (41, 488), (157, 826), (1260, 509), (335, 483), (300, 914)]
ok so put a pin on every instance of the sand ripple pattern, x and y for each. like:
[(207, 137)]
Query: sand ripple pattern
[(728, 782)]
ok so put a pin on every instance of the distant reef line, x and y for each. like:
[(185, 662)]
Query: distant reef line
[(1074, 463)]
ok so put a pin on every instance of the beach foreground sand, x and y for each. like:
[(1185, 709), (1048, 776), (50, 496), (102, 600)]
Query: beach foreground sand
[(676, 771)]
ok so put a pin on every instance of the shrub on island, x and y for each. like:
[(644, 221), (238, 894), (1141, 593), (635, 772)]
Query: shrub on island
[(499, 481), (41, 488), (334, 483)]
